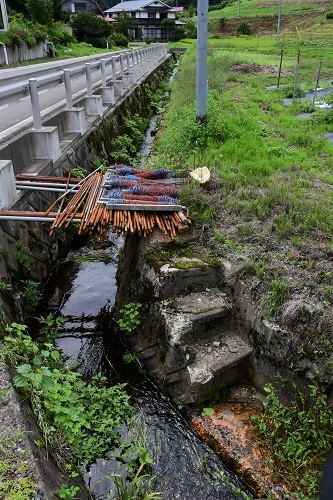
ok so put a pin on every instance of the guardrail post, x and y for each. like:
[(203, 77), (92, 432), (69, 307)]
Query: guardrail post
[(114, 69), (33, 88), (103, 72), (88, 77), (131, 69), (121, 60), (128, 62), (68, 88), (107, 90)]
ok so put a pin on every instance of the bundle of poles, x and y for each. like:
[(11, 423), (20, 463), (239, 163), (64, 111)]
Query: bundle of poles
[(100, 211)]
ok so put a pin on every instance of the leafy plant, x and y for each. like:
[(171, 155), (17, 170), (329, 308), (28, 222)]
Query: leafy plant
[(130, 317), (208, 411), (78, 172), (5, 287), (17, 347), (49, 326), (30, 295), (86, 415), (22, 256), (298, 436), (67, 492)]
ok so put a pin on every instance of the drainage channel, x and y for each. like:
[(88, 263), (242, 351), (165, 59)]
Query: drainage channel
[(83, 288)]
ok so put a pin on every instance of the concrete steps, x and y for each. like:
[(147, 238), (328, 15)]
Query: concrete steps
[(198, 329)]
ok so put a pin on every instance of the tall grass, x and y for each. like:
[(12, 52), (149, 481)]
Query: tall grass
[(251, 140)]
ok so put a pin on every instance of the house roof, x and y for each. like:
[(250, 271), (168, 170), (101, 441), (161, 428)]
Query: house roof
[(134, 5)]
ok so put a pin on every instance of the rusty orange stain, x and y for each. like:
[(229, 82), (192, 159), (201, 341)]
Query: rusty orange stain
[(229, 432)]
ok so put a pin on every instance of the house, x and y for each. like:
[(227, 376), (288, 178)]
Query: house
[(74, 6), (148, 16)]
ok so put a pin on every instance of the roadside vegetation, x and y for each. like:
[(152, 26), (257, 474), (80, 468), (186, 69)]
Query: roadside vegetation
[(79, 420), (268, 205)]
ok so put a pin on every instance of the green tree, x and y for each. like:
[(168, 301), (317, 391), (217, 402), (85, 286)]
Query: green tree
[(190, 27), (41, 11), (169, 25), (91, 29), (125, 23)]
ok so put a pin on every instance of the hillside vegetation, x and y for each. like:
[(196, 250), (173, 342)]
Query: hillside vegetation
[(308, 17)]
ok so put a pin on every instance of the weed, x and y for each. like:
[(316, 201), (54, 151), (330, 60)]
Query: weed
[(17, 478), (85, 415), (129, 317), (67, 492), (140, 486), (260, 269), (208, 411), (5, 287), (279, 293), (299, 436), (132, 359), (22, 257), (50, 326), (30, 295), (78, 172)]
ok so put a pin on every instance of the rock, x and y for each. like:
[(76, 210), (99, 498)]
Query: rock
[(229, 433)]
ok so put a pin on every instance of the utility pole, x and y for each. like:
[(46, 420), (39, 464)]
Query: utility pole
[(279, 23), (201, 82)]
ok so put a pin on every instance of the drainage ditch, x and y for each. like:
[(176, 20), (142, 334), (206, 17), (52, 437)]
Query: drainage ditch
[(83, 288)]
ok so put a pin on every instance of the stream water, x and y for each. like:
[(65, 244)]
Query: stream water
[(185, 468)]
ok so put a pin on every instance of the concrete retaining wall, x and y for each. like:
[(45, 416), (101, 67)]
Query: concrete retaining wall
[(22, 53)]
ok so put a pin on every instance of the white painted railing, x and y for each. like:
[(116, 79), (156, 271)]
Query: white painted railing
[(131, 65)]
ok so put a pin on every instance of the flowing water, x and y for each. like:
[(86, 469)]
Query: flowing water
[(185, 468)]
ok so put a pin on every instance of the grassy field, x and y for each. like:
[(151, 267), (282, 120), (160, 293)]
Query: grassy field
[(266, 7), (269, 205)]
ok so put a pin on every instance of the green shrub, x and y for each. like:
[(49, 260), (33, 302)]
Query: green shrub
[(59, 35), (329, 15), (22, 31), (222, 23), (244, 28), (119, 40)]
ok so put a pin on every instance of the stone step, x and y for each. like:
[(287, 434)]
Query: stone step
[(183, 276), (196, 316), (221, 362)]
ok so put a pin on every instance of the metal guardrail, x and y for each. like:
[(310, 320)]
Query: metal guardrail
[(127, 60)]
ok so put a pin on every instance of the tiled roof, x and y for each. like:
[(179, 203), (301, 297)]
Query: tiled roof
[(133, 5)]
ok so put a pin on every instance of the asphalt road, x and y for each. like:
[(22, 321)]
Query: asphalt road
[(19, 114)]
